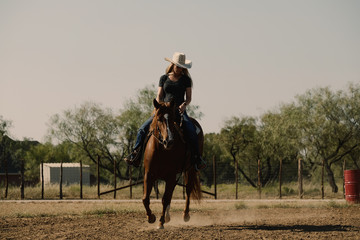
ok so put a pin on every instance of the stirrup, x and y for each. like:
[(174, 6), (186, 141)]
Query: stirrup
[(134, 158)]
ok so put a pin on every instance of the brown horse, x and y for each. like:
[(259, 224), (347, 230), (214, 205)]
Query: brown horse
[(166, 156)]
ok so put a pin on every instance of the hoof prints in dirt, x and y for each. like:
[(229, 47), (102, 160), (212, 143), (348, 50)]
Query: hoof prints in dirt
[(240, 224), (296, 228)]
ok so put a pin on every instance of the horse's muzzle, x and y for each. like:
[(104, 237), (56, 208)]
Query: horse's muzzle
[(168, 143)]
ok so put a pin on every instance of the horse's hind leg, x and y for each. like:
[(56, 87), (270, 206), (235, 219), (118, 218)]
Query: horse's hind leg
[(148, 184), (166, 200)]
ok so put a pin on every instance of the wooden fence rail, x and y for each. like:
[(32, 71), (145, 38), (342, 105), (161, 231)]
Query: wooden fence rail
[(140, 181)]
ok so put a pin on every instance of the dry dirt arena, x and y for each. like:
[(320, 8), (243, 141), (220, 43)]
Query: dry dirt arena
[(209, 220)]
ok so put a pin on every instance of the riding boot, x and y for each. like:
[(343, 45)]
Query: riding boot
[(200, 163), (134, 158)]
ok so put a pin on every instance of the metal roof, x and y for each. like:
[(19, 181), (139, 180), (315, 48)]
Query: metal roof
[(64, 165)]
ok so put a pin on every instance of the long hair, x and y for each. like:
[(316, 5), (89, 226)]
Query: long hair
[(186, 72)]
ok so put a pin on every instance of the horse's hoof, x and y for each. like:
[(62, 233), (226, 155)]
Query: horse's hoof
[(151, 218), (161, 226), (186, 217)]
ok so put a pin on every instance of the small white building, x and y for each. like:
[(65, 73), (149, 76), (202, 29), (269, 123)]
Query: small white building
[(71, 173)]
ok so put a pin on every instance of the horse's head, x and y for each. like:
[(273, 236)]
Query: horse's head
[(163, 123)]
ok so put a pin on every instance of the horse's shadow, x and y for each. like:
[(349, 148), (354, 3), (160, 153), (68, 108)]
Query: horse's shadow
[(295, 228)]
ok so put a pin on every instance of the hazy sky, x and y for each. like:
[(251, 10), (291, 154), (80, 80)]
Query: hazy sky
[(248, 56)]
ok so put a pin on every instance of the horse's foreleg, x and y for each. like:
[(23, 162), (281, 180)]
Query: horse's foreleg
[(148, 184), (166, 200), (187, 204), (189, 188)]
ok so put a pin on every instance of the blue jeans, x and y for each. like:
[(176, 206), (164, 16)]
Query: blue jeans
[(189, 131), (142, 132)]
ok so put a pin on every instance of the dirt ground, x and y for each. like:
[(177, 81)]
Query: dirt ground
[(208, 221)]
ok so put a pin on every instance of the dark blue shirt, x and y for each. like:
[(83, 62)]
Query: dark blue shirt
[(174, 90)]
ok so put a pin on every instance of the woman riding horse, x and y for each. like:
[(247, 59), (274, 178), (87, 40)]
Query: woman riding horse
[(174, 85), (166, 156)]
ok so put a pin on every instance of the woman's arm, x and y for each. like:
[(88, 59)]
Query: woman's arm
[(160, 95), (188, 94)]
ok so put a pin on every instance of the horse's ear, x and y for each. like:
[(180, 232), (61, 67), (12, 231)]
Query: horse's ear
[(156, 104)]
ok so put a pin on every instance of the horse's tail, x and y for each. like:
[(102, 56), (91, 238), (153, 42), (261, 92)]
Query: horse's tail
[(193, 182)]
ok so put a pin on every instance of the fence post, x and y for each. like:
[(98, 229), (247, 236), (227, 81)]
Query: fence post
[(259, 179), (0, 169), (61, 179), (81, 180), (343, 171), (300, 179), (236, 178), (114, 178), (280, 178), (6, 176), (22, 187), (130, 175), (42, 180), (214, 176), (322, 179), (98, 175)]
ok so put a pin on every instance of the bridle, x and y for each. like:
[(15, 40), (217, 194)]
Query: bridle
[(159, 137)]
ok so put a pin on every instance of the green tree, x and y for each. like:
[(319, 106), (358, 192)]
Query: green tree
[(330, 128), (279, 139), (4, 127), (213, 148), (93, 130), (238, 135), (352, 120), (133, 114)]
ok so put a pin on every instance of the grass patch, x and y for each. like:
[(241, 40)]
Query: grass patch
[(240, 205), (287, 191), (30, 215), (277, 205), (263, 206), (101, 212), (25, 215), (224, 191), (284, 205), (333, 204)]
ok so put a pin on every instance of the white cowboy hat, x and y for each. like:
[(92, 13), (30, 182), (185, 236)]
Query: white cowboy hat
[(179, 59)]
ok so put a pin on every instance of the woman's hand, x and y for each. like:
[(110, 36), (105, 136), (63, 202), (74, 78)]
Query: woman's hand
[(182, 107)]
